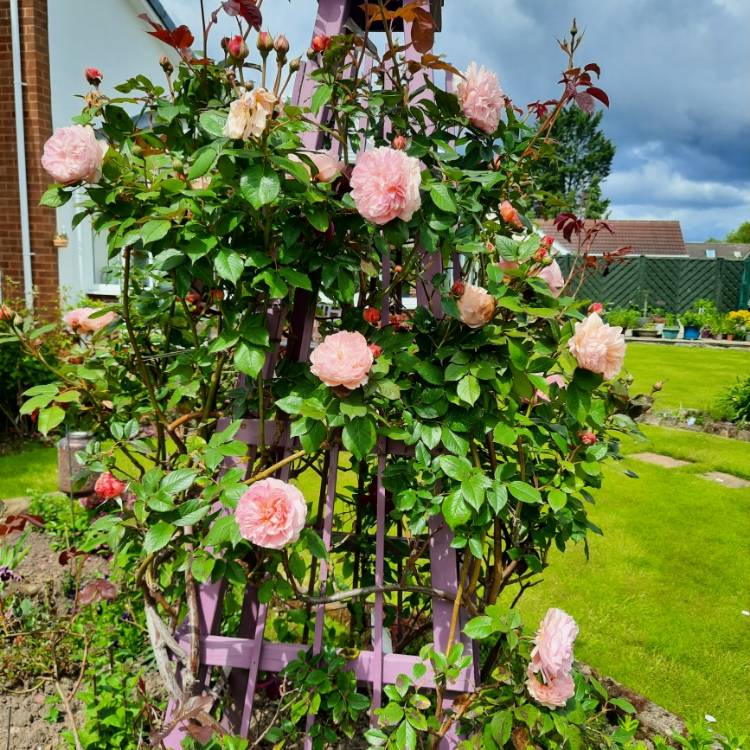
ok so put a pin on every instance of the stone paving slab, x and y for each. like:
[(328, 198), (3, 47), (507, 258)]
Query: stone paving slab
[(658, 459), (728, 480)]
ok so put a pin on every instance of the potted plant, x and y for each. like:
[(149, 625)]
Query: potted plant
[(691, 321), (671, 328), (738, 324), (627, 319)]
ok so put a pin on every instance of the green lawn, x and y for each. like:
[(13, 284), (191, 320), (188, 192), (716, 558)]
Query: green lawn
[(660, 601), (693, 376)]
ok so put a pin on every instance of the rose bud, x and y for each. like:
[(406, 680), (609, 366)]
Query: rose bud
[(587, 437), (596, 307), (108, 486), (490, 247), (496, 163), (540, 254), (398, 269), (375, 349), (399, 143), (321, 43), (657, 386), (458, 288), (217, 295), (166, 65), (264, 43), (548, 240), (93, 76), (294, 65), (281, 45), (192, 297), (509, 214), (237, 48), (311, 54), (371, 315), (6, 313)]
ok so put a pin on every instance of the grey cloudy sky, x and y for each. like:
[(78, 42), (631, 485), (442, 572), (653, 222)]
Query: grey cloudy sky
[(677, 73)]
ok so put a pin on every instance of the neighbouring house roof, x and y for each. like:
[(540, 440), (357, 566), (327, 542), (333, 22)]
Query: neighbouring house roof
[(655, 238), (727, 250)]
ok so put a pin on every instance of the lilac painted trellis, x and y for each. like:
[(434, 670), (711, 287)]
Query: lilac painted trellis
[(247, 653)]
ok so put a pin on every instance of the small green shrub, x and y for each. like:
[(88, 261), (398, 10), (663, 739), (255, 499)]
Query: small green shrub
[(734, 403)]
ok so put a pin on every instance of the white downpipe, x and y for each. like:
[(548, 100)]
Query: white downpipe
[(23, 191)]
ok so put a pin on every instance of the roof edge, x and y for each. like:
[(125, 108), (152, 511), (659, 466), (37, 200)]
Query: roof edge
[(162, 14)]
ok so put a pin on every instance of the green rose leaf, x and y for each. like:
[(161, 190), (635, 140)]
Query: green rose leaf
[(525, 492), (556, 499), (455, 510), (468, 389), (359, 436), (249, 359), (480, 627), (178, 481), (158, 536), (204, 160), (442, 196), (260, 185), (456, 467), (154, 230), (50, 418), (229, 265)]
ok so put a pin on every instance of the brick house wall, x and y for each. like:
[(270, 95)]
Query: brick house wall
[(38, 127)]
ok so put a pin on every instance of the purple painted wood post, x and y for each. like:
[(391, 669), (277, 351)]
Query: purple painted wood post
[(320, 610)]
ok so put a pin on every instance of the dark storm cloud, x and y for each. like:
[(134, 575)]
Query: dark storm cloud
[(677, 73)]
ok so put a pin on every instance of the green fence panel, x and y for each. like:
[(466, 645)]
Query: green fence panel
[(671, 283)]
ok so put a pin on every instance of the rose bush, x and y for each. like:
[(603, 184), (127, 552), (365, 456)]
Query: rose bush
[(226, 222)]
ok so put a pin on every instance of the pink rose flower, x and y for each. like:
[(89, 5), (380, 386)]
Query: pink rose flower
[(80, 320), (554, 379), (73, 155), (385, 185), (598, 347), (248, 115), (343, 358), (476, 306), (553, 693), (271, 513), (328, 167), (481, 98), (552, 274), (108, 486), (553, 644)]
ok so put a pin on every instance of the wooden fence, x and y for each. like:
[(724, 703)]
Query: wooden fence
[(671, 283)]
